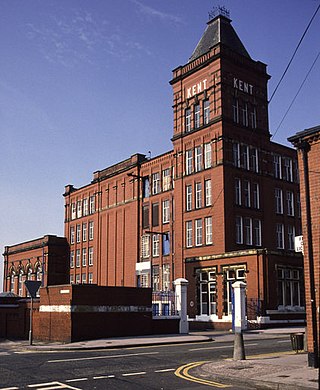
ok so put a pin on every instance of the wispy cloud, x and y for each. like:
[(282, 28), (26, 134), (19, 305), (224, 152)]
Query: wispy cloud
[(81, 37), (152, 12)]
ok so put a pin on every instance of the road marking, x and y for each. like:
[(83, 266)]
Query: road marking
[(76, 380), (220, 347), (284, 341), (9, 388), (183, 373), (52, 386), (103, 377), (134, 373), (166, 370), (101, 357)]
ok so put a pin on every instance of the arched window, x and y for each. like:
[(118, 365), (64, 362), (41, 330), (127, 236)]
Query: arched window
[(13, 274), (29, 273), (20, 280), (38, 276)]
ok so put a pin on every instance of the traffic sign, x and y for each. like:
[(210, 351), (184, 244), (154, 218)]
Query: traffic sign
[(32, 286)]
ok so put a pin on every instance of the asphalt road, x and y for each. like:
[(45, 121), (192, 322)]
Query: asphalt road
[(155, 367)]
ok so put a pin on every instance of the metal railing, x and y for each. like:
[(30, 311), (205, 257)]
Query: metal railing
[(164, 303)]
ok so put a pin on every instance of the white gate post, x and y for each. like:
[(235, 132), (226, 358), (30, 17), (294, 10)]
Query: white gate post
[(181, 303), (239, 308)]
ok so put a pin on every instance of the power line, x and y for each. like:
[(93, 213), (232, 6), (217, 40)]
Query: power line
[(301, 39), (293, 100)]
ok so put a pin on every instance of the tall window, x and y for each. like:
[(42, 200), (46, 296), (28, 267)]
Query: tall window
[(277, 166), (20, 280), (189, 234), (145, 216), (73, 211), (239, 230), (208, 223), (145, 246), (79, 209), (245, 156), (12, 279), (298, 205), (189, 162), (256, 195), (280, 235), (78, 233), (166, 244), (235, 110), (291, 235), (288, 169), (90, 256), (188, 197), (208, 196), (188, 120), (92, 206), (72, 259), (247, 223), (206, 112), (155, 214), (238, 191), (246, 193), (207, 292), (290, 287), (207, 155), (155, 245), (155, 183), (279, 200), (254, 161), (244, 114), (253, 117), (91, 226), (236, 154), (166, 277), (155, 278), (257, 232), (165, 211), (145, 187), (85, 207), (198, 227), (290, 203), (84, 232), (197, 116), (78, 258), (84, 257), (84, 278), (198, 158), (90, 278), (166, 179), (72, 235), (198, 195)]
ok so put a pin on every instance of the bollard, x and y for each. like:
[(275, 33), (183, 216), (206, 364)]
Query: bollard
[(238, 347)]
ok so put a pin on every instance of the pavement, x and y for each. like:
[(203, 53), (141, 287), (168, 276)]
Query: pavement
[(279, 370)]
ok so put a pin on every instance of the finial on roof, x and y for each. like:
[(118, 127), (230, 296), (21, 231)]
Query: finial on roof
[(219, 10)]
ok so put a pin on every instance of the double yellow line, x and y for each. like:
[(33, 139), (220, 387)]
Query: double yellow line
[(183, 372)]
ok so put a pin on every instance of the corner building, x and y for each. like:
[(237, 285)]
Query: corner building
[(222, 206)]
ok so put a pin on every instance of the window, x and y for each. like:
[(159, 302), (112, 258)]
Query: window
[(280, 235), (145, 216), (145, 246), (189, 234), (188, 120), (208, 223), (236, 155), (78, 258), (290, 287), (155, 245), (90, 256), (78, 233), (92, 207), (189, 162), (77, 279), (207, 156), (166, 277), (238, 192), (235, 110), (84, 232), (198, 195), (165, 211), (288, 169), (20, 280), (145, 187), (298, 205), (198, 223), (73, 211), (291, 236), (155, 214), (277, 166), (246, 193), (279, 200), (257, 232), (166, 244), (208, 197), (247, 223), (72, 259), (90, 275), (91, 226), (166, 179), (155, 278), (207, 292), (71, 279), (245, 157), (72, 235), (244, 114), (239, 232), (256, 195), (79, 209), (12, 281), (206, 112), (198, 158), (253, 117), (290, 203), (85, 206), (84, 257), (188, 197), (197, 116), (155, 183), (254, 161), (84, 278)]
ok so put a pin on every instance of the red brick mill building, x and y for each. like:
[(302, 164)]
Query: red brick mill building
[(223, 205)]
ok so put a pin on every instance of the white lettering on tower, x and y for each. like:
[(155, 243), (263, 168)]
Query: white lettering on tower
[(196, 88), (242, 86)]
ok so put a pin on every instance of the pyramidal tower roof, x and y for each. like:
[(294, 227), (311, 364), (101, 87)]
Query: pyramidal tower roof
[(219, 30)]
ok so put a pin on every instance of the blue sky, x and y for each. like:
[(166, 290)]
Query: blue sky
[(85, 83)]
